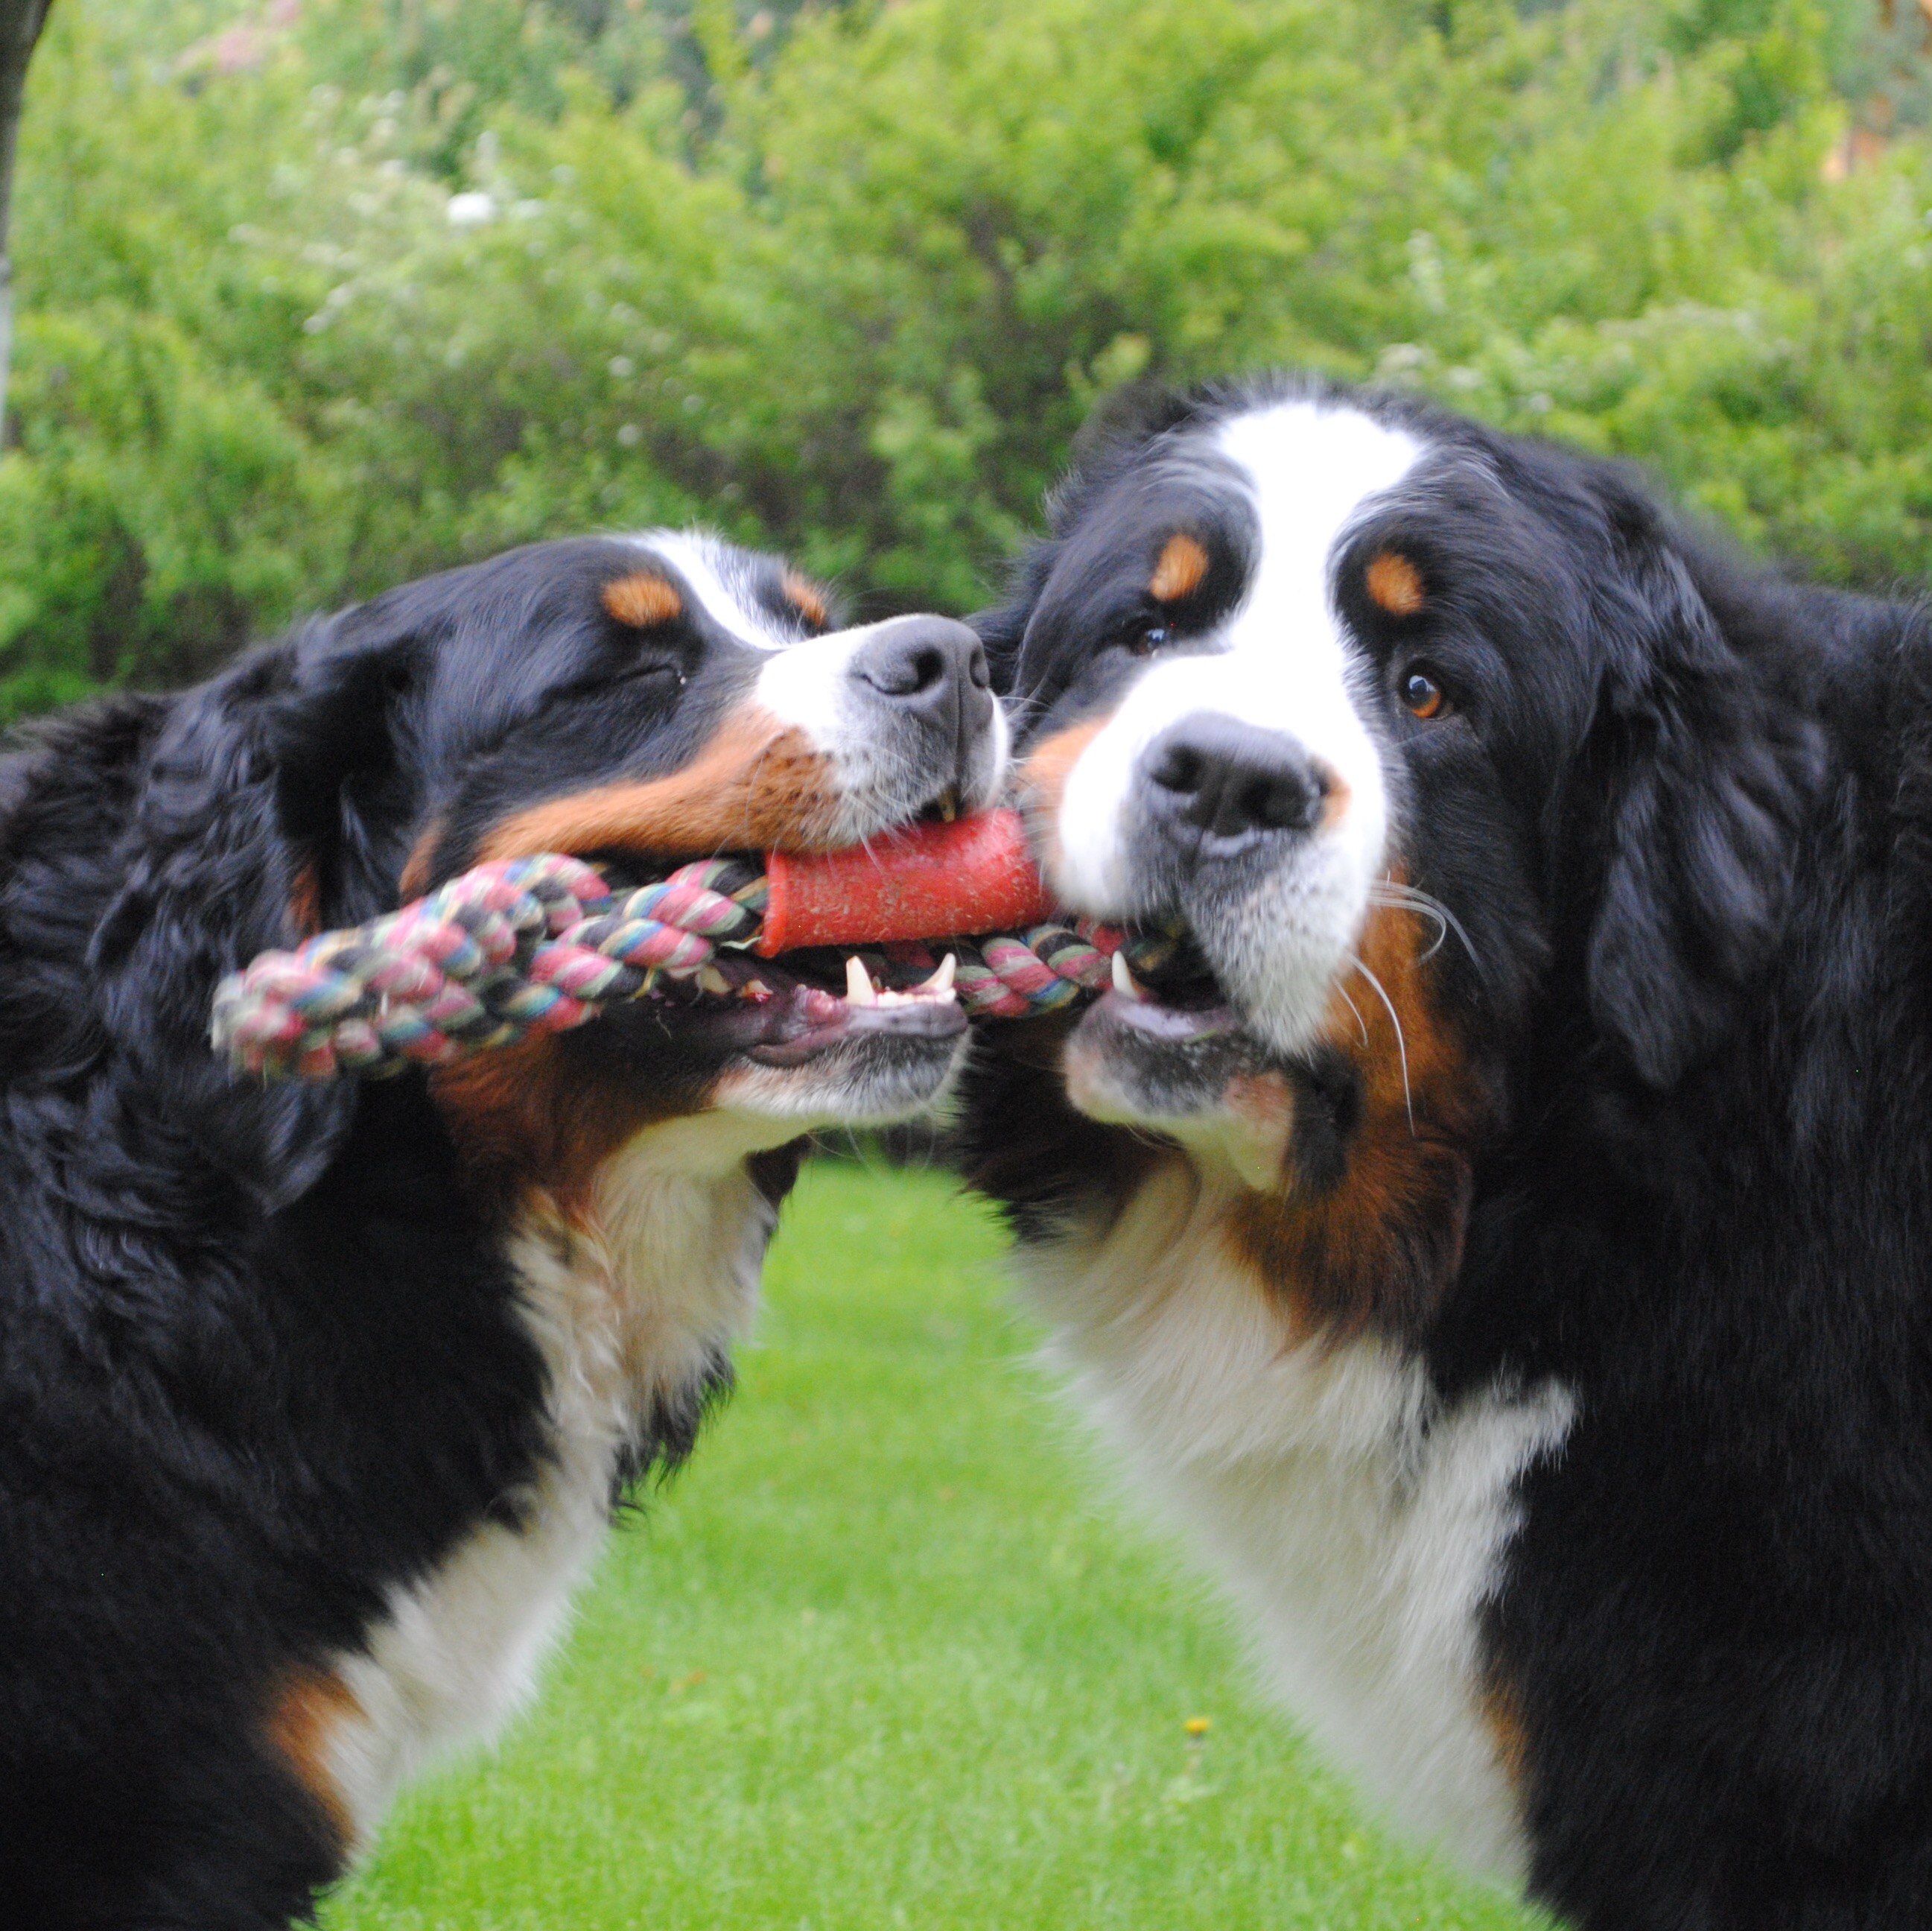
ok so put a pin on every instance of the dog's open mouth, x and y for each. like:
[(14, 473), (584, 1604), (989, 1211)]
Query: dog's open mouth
[(787, 1011), (1162, 1044), (1176, 999)]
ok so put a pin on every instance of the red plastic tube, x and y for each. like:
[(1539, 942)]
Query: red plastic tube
[(976, 874)]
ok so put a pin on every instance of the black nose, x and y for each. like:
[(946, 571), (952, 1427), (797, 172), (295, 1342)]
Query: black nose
[(1223, 779), (928, 664)]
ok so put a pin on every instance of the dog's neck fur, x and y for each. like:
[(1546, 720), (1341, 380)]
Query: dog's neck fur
[(1359, 1523), (634, 1307)]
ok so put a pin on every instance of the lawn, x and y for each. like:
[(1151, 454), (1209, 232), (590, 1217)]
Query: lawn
[(879, 1657)]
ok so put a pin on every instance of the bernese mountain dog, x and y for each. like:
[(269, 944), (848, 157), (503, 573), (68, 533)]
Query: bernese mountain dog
[(1502, 1241), (315, 1401)]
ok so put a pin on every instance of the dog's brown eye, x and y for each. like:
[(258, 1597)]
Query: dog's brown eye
[(1423, 695), (1146, 639)]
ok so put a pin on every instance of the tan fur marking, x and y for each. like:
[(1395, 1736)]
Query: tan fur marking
[(1264, 1104), (545, 1114), (414, 880), (806, 597), (305, 902), (308, 1708), (642, 600), (1394, 583), (1180, 572), (1043, 779), (1379, 1249), (758, 786), (1334, 800), (1502, 1715)]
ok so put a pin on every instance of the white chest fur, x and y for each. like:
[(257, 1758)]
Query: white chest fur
[(665, 1278), (1358, 1524)]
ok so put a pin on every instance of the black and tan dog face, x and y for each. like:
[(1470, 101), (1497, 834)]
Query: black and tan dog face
[(647, 701), (1408, 725)]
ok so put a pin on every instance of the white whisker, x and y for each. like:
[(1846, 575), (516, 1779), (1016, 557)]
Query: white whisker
[(1357, 1010), (1402, 1045), (1423, 911), (1409, 898)]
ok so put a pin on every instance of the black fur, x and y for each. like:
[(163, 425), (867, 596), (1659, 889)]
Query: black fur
[(258, 1363), (1683, 818)]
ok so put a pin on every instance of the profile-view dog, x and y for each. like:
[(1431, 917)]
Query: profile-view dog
[(314, 1403), (1509, 1256)]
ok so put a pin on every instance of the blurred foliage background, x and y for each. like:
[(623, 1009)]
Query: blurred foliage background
[(316, 295)]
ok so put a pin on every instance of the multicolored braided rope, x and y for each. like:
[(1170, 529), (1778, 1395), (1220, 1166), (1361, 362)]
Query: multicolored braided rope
[(541, 945)]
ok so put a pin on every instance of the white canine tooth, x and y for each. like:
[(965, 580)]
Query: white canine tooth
[(940, 986), (1123, 980), (859, 983), (948, 805), (710, 980)]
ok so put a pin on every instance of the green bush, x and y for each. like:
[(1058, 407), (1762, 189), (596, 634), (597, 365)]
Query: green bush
[(394, 282)]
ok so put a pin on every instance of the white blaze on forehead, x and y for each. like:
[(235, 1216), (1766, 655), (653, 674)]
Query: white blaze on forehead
[(705, 563), (1281, 662), (804, 684), (807, 682)]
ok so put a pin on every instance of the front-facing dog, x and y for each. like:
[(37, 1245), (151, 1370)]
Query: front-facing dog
[(314, 1403), (1505, 1242)]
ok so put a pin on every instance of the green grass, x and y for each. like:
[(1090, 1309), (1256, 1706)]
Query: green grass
[(880, 1658)]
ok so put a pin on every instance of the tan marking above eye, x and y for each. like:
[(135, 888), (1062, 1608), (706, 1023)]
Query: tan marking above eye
[(642, 600), (1395, 584), (1182, 567), (806, 597)]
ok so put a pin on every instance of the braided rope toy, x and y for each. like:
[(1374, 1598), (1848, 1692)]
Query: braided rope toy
[(545, 944)]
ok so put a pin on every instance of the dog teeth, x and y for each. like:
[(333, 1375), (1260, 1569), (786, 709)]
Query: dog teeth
[(948, 805), (1123, 980), (710, 980), (862, 990), (859, 983)]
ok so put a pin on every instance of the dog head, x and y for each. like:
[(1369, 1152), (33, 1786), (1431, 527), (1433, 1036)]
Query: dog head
[(1421, 735), (641, 702)]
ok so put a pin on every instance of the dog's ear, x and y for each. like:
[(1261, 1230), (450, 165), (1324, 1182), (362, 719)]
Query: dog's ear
[(1130, 414), (1708, 766), (280, 796), (335, 738), (271, 806)]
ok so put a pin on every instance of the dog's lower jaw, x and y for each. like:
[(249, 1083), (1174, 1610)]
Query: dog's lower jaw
[(866, 1083), (1197, 1079)]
